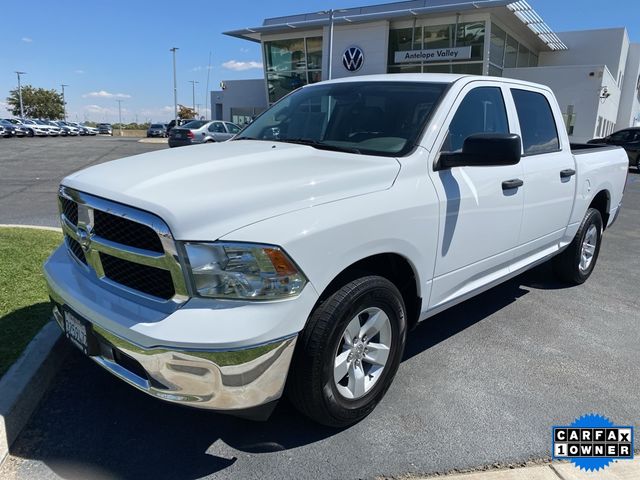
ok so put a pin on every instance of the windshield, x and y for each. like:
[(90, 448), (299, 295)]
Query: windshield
[(157, 125), (378, 118)]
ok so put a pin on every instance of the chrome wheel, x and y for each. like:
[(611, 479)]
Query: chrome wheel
[(588, 249), (362, 353)]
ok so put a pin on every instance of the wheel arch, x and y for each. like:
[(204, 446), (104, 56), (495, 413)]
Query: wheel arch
[(394, 267), (602, 202)]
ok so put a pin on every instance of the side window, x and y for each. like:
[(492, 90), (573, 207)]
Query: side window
[(537, 124), (217, 127), (624, 136), (232, 128), (481, 111)]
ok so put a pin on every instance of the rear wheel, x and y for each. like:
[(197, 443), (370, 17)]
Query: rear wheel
[(349, 352), (577, 262)]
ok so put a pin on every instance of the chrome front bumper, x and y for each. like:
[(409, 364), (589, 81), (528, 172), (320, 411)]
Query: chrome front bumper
[(230, 380)]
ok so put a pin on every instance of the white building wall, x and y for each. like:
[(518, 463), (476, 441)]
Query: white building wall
[(629, 114), (580, 86), (592, 47)]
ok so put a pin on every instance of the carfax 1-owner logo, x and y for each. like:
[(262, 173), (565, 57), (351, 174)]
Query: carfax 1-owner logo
[(592, 442)]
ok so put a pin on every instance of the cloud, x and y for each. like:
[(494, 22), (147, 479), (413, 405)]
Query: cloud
[(199, 68), (4, 109), (97, 109), (105, 94), (79, 72), (244, 50), (27, 39), (241, 66)]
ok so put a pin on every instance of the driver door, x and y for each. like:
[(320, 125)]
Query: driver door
[(480, 207)]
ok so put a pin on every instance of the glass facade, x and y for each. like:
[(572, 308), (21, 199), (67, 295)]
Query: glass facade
[(506, 52), (292, 63), (432, 37)]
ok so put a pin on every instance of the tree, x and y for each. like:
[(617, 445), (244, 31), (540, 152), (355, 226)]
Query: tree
[(186, 112), (37, 103)]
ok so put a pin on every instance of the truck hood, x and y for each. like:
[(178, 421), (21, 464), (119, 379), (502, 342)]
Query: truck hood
[(204, 192)]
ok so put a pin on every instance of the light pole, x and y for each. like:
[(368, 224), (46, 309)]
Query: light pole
[(64, 104), (120, 115), (175, 86), (193, 85), (20, 93), (331, 14)]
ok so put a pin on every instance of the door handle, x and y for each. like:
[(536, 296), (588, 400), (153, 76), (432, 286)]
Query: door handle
[(568, 173), (511, 184)]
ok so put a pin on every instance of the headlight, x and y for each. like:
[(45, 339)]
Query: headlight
[(243, 271)]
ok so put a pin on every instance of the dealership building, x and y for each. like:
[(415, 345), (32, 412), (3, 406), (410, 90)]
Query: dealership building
[(594, 73)]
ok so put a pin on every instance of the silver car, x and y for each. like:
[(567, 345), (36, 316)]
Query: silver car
[(202, 131)]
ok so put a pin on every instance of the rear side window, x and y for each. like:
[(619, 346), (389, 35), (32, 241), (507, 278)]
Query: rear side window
[(217, 127), (537, 124), (481, 111)]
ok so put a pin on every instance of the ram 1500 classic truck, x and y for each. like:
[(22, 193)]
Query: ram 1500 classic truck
[(296, 257)]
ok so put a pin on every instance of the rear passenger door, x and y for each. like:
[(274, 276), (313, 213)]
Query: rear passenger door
[(549, 173)]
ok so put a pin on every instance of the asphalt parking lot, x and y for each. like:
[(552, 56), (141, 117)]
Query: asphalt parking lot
[(31, 170), (481, 384)]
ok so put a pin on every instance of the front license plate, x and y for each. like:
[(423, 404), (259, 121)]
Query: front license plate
[(76, 331)]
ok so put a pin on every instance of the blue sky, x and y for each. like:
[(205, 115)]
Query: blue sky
[(120, 49)]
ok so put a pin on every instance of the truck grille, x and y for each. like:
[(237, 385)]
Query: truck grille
[(127, 247), (150, 280), (121, 230)]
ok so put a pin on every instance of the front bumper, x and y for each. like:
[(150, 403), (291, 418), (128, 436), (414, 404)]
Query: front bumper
[(233, 380), (227, 357)]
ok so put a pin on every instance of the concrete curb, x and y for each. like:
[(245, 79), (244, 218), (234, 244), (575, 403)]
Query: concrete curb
[(153, 140), (619, 470), (24, 384), (36, 227)]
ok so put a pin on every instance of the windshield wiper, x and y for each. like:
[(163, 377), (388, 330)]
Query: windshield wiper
[(318, 145)]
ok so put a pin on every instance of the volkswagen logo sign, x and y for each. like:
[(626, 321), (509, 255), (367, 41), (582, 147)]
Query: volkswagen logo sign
[(353, 58)]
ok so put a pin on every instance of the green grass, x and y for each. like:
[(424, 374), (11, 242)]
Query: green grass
[(24, 302)]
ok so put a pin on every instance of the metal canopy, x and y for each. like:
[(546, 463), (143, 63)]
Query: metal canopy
[(520, 9)]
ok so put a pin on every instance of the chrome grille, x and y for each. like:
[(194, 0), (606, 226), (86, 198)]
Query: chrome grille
[(150, 280), (123, 246), (122, 230)]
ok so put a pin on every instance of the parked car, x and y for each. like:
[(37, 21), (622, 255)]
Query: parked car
[(305, 249), (3, 131), (11, 130), (90, 130), (180, 122), (8, 129), (105, 129), (157, 130), (629, 139), (20, 130), (70, 129), (202, 131), (34, 128), (52, 129)]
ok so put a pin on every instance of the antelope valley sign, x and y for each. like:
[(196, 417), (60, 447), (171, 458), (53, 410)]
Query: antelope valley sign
[(433, 55)]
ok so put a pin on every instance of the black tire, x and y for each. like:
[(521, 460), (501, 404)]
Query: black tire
[(567, 264), (311, 386), (638, 162), (31, 134)]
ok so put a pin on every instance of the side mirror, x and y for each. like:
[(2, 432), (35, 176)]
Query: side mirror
[(484, 150)]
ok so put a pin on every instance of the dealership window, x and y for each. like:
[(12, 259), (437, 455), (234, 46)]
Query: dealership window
[(570, 119), (506, 52), (292, 63), (434, 37)]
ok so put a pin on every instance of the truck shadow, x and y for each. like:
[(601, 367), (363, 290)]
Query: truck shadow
[(93, 426)]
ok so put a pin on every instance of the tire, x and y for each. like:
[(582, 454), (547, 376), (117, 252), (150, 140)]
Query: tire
[(570, 266), (311, 385), (638, 162)]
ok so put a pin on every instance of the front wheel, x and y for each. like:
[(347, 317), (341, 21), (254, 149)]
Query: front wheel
[(577, 262), (349, 352)]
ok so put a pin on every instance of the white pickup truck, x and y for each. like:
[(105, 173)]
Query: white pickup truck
[(296, 257)]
